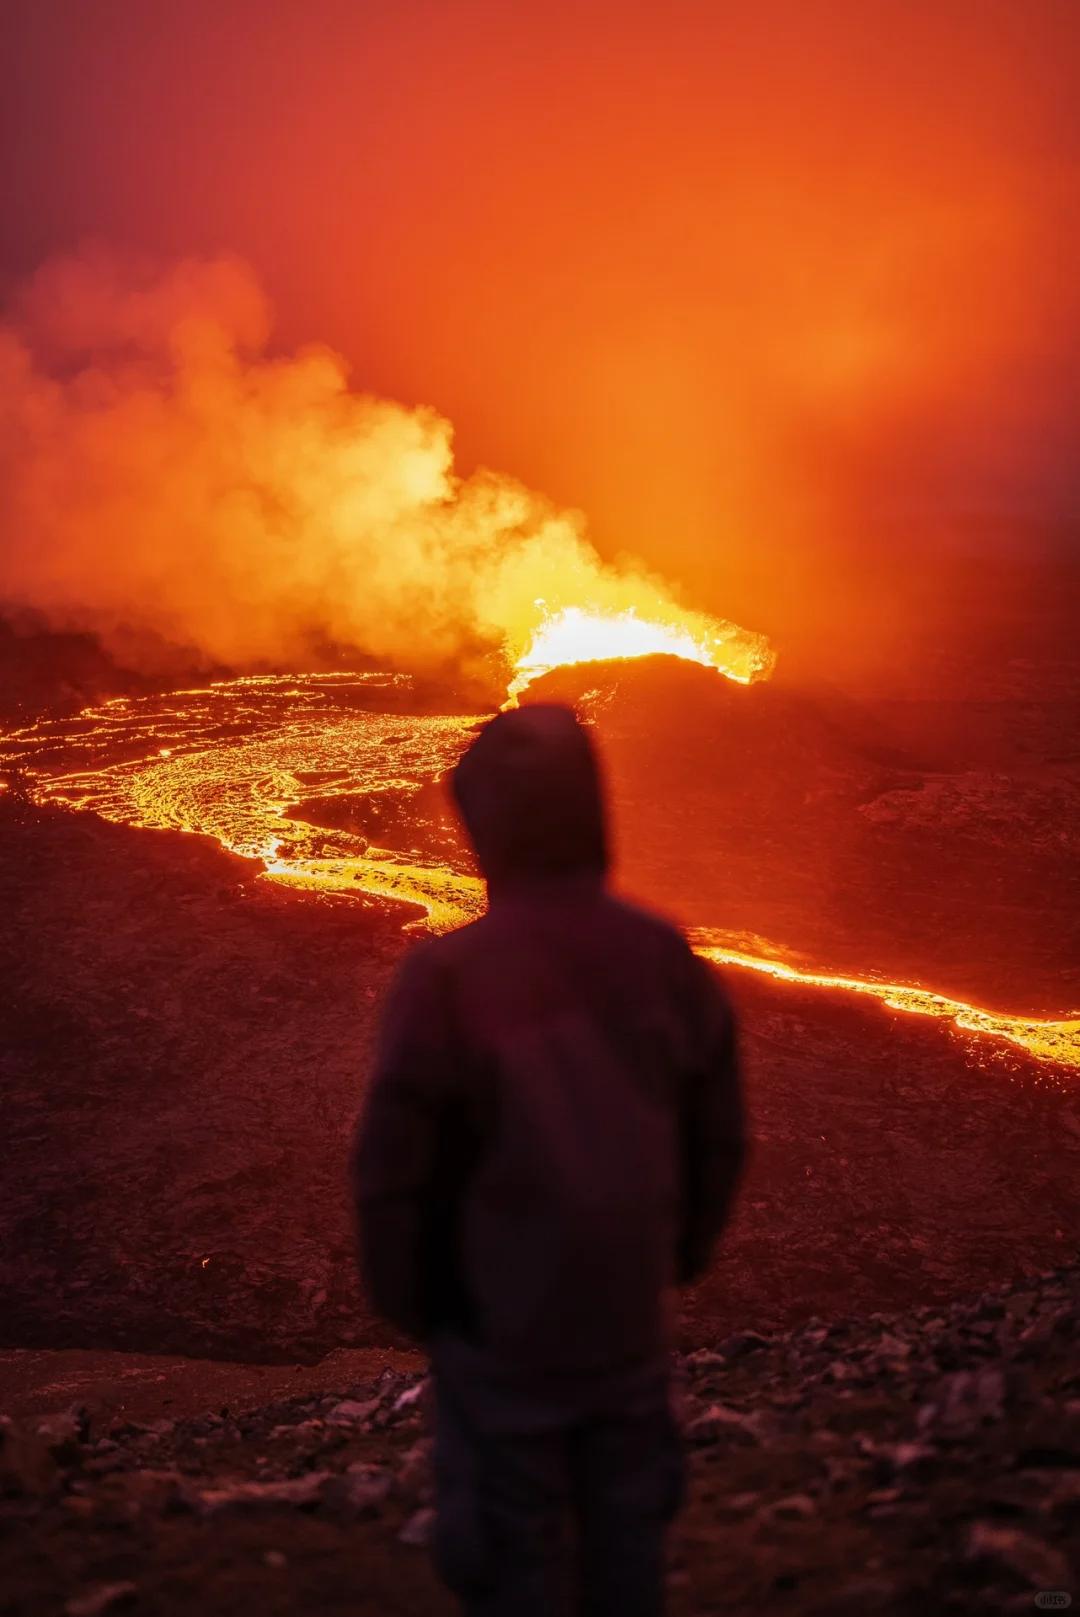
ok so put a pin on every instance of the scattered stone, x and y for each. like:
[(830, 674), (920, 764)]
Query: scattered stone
[(884, 1496), (704, 1359), (410, 1398), (740, 1502), (742, 1343), (909, 1459), (419, 1527), (792, 1506), (295, 1492), (304, 1428), (64, 1433), (79, 1505), (158, 1490), (107, 1597), (965, 1400), (350, 1412), (841, 1470), (359, 1491), (1028, 1557), (414, 1476), (892, 1346), (720, 1420), (906, 1455)]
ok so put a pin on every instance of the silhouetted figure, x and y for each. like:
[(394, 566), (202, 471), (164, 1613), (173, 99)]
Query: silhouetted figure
[(551, 1140)]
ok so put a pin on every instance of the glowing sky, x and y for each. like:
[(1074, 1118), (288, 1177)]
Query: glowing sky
[(776, 291)]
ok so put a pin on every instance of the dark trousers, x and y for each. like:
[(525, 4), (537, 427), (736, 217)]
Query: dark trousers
[(549, 1522)]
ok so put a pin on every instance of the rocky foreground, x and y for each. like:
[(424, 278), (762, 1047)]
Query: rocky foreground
[(906, 1462)]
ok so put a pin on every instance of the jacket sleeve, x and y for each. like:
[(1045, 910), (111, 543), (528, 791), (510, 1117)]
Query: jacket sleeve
[(395, 1155), (713, 1124)]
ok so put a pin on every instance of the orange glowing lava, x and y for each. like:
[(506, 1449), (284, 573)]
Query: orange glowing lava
[(581, 635), (238, 760)]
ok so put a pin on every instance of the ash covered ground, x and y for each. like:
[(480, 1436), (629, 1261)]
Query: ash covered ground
[(184, 1050)]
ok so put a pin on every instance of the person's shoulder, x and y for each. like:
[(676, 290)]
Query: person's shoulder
[(437, 953), (671, 950), (652, 928)]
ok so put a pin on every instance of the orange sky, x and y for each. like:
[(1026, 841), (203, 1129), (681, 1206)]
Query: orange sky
[(783, 294)]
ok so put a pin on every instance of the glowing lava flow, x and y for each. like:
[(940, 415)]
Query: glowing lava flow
[(577, 635), (1056, 1041), (302, 771)]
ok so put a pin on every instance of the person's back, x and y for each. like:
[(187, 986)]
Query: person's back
[(551, 1140)]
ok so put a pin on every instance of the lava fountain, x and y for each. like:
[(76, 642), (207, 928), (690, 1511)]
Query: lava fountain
[(580, 635)]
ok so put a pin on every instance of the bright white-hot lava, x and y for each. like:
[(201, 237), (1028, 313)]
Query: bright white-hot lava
[(581, 634)]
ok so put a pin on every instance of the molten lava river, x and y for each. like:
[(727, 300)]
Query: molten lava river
[(254, 762)]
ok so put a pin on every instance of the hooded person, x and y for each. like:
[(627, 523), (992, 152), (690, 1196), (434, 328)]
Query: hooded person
[(551, 1140)]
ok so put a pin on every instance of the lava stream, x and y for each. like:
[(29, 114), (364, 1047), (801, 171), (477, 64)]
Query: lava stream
[(238, 760), (1056, 1041)]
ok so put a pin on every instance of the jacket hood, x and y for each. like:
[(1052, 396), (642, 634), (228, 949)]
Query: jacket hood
[(529, 792)]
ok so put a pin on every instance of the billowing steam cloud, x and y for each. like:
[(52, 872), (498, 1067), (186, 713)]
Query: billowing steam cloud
[(165, 477)]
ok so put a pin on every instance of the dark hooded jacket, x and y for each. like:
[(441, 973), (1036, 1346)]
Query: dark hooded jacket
[(553, 1131)]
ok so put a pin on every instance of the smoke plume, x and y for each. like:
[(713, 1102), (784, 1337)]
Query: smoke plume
[(166, 477)]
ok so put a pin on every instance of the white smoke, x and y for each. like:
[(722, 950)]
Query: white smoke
[(165, 475)]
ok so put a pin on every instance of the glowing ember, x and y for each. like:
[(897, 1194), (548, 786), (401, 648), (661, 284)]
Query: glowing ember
[(578, 635)]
